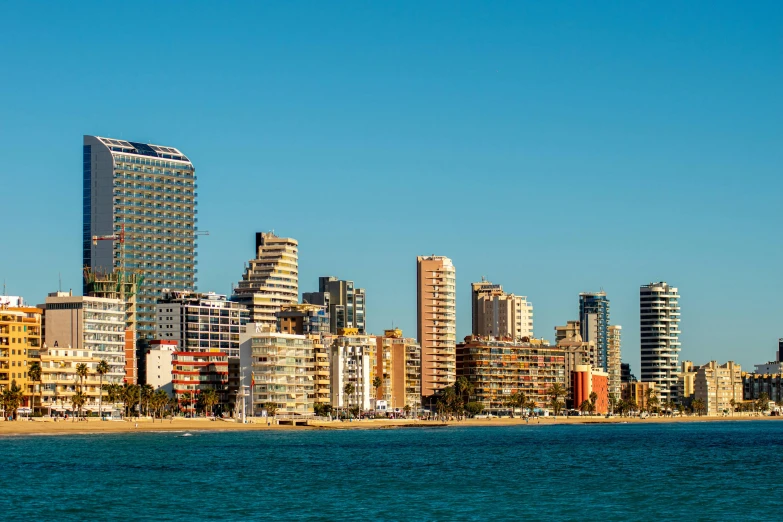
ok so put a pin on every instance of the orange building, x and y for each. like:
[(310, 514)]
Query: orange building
[(586, 380)]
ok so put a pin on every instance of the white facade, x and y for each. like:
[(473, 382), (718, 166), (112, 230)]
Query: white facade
[(351, 361), (94, 325), (277, 368), (659, 318), (770, 368), (158, 365)]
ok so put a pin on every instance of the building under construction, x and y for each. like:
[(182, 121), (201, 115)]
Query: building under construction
[(122, 286)]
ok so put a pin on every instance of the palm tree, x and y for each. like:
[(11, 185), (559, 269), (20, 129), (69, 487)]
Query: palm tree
[(585, 406), (348, 389), (449, 399), (209, 398), (82, 370), (555, 392), (463, 389), (612, 402), (129, 395), (146, 392), (271, 408), (12, 399), (593, 400), (376, 383), (763, 402), (631, 405), (78, 400), (698, 405), (159, 400), (102, 369), (34, 372)]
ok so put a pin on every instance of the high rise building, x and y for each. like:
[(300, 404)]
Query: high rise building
[(504, 315), (93, 326), (303, 319), (271, 280), (659, 317), (345, 303), (398, 364), (482, 288), (594, 322), (614, 359), (780, 350), (145, 197), (352, 360), (436, 322)]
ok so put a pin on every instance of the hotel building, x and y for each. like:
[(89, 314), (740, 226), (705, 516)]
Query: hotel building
[(398, 364), (145, 196), (718, 385), (660, 337), (436, 322), (271, 280)]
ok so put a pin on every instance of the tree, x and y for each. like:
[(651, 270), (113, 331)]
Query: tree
[(82, 370), (585, 406), (376, 383), (407, 409), (474, 408), (12, 398), (631, 406), (35, 373), (517, 400), (448, 402), (733, 406), (612, 402), (593, 400), (763, 402), (463, 389), (78, 400), (102, 369), (208, 399), (129, 395), (698, 406), (158, 402), (271, 408), (146, 392), (355, 411), (554, 393)]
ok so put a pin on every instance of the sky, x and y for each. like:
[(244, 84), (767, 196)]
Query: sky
[(555, 148)]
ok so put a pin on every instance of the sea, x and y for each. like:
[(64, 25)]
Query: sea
[(678, 471)]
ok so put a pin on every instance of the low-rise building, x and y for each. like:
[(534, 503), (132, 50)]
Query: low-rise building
[(718, 386), (587, 380), (60, 381), (398, 364), (158, 362), (498, 369), (754, 384), (638, 392), (195, 372)]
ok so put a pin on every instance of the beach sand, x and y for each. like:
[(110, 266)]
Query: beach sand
[(40, 426)]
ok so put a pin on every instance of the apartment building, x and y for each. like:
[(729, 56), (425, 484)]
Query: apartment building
[(436, 322), (659, 316), (718, 385), (614, 359), (20, 344), (345, 304), (271, 280), (504, 316), (398, 364), (352, 360), (586, 380)]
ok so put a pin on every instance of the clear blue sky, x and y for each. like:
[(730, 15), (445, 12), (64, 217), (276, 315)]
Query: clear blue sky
[(554, 148)]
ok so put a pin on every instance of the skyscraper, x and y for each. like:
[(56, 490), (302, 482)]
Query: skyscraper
[(614, 360), (145, 196), (594, 321), (436, 322), (659, 321), (345, 303), (271, 280)]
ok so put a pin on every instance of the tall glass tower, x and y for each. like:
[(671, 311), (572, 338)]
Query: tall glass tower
[(149, 193), (594, 324)]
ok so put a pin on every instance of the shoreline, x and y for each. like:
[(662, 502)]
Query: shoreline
[(94, 426)]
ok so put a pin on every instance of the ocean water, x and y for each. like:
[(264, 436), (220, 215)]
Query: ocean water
[(685, 471)]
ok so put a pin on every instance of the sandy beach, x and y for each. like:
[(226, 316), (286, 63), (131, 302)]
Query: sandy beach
[(40, 426)]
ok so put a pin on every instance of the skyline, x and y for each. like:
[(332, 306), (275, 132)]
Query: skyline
[(531, 104)]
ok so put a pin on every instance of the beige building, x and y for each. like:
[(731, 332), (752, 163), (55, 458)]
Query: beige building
[(92, 325), (271, 280), (717, 385), (614, 359), (60, 380), (277, 368), (398, 364), (506, 316), (686, 381), (436, 322), (569, 332), (638, 392)]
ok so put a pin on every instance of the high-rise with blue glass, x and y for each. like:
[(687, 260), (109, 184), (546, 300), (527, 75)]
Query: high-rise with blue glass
[(594, 324), (145, 196)]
